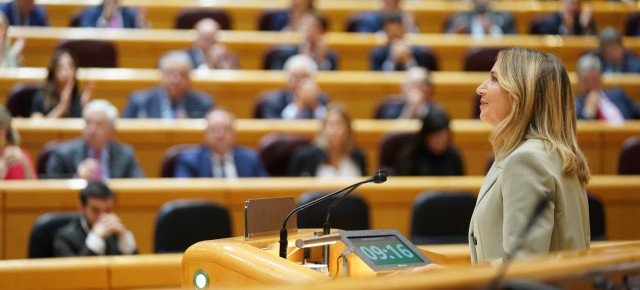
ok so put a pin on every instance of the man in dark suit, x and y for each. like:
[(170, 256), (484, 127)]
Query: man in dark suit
[(112, 15), (572, 20), (416, 98), (173, 98), (397, 54), (481, 21), (219, 156), (313, 45), (95, 156), (611, 105), (614, 57), (371, 22), (301, 99), (97, 231), (24, 13), (206, 52)]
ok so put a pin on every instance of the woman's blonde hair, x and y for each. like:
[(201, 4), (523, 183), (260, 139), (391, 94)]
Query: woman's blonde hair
[(542, 108), (321, 140)]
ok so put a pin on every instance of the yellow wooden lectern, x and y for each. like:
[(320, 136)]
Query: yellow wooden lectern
[(236, 262)]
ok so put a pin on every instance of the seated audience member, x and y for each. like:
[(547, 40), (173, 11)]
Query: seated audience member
[(291, 20), (207, 52), (572, 20), (173, 98), (219, 156), (397, 54), (374, 21), (417, 95), (333, 153), (96, 156), (614, 57), (24, 13), (313, 45), (110, 14), (15, 162), (60, 96), (481, 21), (301, 99), (10, 54), (430, 152), (98, 231), (594, 102)]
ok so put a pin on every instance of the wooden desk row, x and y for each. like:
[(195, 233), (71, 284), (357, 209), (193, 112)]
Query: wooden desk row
[(142, 48), (114, 272), (237, 90), (430, 15), (151, 138), (138, 201)]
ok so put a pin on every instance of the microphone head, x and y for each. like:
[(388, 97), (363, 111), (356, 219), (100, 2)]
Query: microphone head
[(380, 176)]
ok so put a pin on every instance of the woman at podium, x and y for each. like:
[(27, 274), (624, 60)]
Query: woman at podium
[(527, 98)]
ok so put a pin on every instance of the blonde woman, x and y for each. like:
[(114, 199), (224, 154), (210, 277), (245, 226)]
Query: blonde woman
[(527, 98), (333, 153)]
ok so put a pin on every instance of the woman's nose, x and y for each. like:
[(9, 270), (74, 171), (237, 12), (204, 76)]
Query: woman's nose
[(481, 89)]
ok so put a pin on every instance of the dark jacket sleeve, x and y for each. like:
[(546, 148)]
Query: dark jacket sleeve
[(632, 107), (59, 166), (90, 16), (305, 160), (37, 104), (273, 106), (184, 167), (131, 109), (133, 168), (358, 157), (69, 241), (377, 58)]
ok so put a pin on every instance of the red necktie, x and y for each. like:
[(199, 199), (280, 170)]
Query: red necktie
[(601, 115)]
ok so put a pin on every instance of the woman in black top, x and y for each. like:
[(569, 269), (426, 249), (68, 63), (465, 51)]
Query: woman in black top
[(430, 152), (59, 97)]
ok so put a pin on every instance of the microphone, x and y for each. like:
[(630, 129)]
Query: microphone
[(379, 177), (284, 243), (537, 212)]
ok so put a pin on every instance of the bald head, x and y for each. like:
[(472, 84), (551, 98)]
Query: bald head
[(207, 30), (417, 75)]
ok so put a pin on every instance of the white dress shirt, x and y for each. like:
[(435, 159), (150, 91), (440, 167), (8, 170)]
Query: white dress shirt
[(226, 163), (347, 168)]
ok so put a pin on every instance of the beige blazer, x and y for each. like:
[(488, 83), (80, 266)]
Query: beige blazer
[(508, 196)]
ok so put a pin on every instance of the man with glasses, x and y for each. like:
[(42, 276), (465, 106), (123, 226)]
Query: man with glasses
[(173, 98)]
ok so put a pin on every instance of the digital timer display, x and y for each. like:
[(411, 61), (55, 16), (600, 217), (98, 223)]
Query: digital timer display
[(385, 250)]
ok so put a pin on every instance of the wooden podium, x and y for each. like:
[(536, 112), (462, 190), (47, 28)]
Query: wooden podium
[(236, 262)]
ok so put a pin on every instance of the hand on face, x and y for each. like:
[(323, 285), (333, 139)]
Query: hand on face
[(592, 102), (307, 94), (415, 97), (400, 52), (11, 155), (585, 16)]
